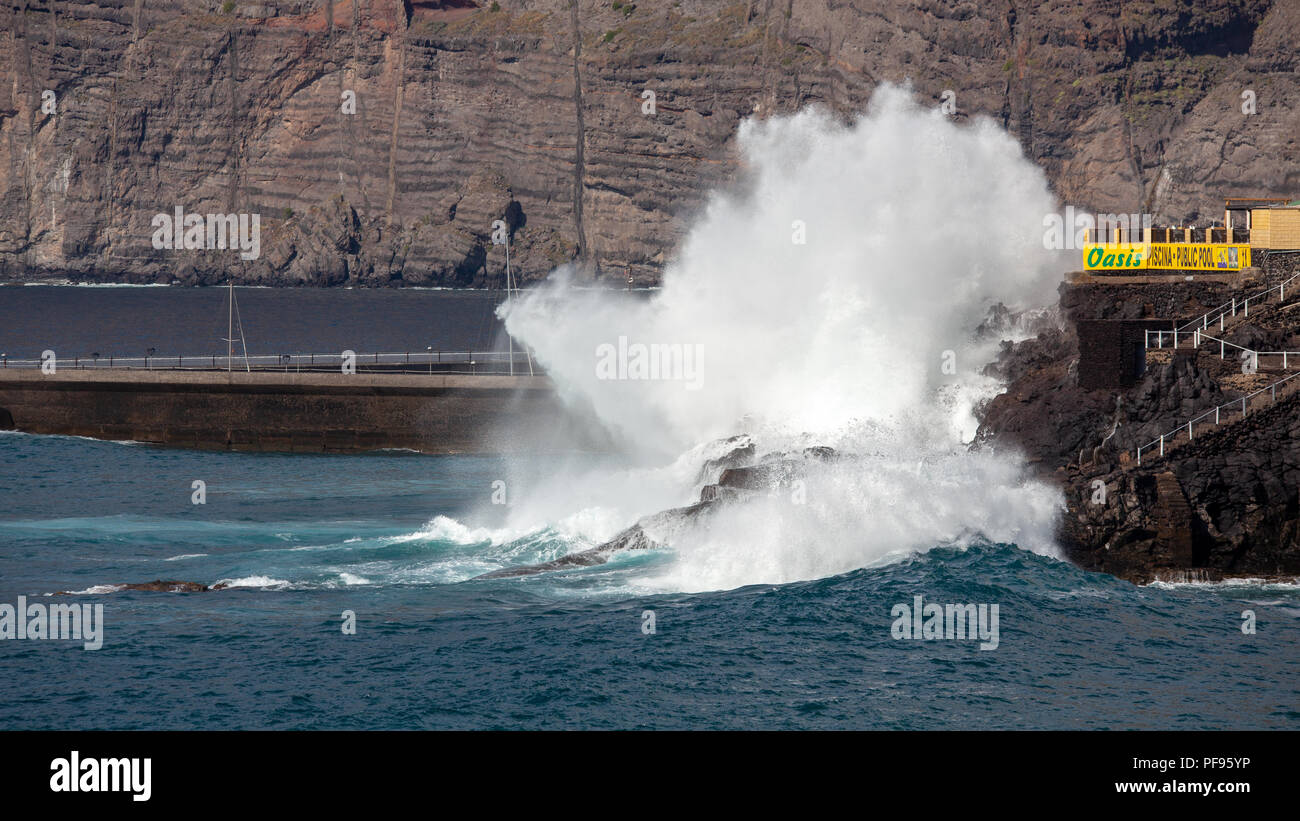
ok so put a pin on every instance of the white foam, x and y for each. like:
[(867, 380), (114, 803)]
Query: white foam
[(1252, 583), (914, 227), (253, 581), (66, 436), (868, 513), (97, 590), (184, 556), (68, 283), (447, 529)]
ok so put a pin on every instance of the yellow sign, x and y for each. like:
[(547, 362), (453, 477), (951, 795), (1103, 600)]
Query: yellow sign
[(1169, 256)]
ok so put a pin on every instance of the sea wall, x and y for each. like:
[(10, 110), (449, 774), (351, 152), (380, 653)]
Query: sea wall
[(299, 412)]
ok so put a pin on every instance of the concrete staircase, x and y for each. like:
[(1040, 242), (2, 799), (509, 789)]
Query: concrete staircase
[(1173, 517)]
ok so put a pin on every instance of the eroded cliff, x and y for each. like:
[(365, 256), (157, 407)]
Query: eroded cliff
[(532, 111)]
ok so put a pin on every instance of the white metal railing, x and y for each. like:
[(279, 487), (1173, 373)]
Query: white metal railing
[(1231, 307), (403, 362), (1287, 356), (1216, 412), (1160, 338), (1199, 337)]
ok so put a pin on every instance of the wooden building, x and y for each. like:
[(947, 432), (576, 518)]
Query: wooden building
[(1273, 224)]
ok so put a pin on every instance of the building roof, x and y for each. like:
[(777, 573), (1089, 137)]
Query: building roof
[(1247, 203)]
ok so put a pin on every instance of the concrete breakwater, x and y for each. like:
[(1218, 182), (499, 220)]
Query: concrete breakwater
[(297, 412)]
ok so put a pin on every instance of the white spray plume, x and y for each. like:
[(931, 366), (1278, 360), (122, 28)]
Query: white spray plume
[(913, 227)]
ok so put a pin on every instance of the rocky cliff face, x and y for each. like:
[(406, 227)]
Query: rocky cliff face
[(1225, 503), (379, 139)]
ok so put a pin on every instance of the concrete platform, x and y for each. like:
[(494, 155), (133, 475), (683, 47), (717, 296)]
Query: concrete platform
[(295, 412)]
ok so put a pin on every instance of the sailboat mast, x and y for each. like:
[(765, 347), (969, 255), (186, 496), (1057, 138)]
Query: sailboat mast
[(230, 329)]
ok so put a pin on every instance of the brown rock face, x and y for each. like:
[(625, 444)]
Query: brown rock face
[(1223, 503), (379, 139)]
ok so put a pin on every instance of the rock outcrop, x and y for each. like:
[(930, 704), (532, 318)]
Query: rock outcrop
[(737, 473), (160, 586), (380, 139), (1226, 503)]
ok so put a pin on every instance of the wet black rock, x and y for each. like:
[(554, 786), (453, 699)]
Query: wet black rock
[(772, 471)]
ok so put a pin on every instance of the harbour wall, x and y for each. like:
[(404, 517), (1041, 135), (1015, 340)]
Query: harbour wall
[(292, 412)]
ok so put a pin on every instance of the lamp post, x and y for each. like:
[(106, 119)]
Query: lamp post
[(430, 350), (501, 236)]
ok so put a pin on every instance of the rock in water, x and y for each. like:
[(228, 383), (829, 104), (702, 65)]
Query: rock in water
[(159, 586), (737, 476)]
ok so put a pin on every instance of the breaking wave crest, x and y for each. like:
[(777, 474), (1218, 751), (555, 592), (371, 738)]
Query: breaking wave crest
[(834, 297)]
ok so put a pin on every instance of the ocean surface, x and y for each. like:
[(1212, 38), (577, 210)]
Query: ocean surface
[(399, 539), (304, 538)]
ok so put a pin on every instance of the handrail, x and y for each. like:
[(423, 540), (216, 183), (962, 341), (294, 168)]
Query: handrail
[(1232, 305), (1224, 344), (1199, 336), (1189, 425), (320, 361)]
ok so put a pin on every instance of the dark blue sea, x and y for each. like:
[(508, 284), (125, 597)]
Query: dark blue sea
[(307, 537), (398, 539)]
